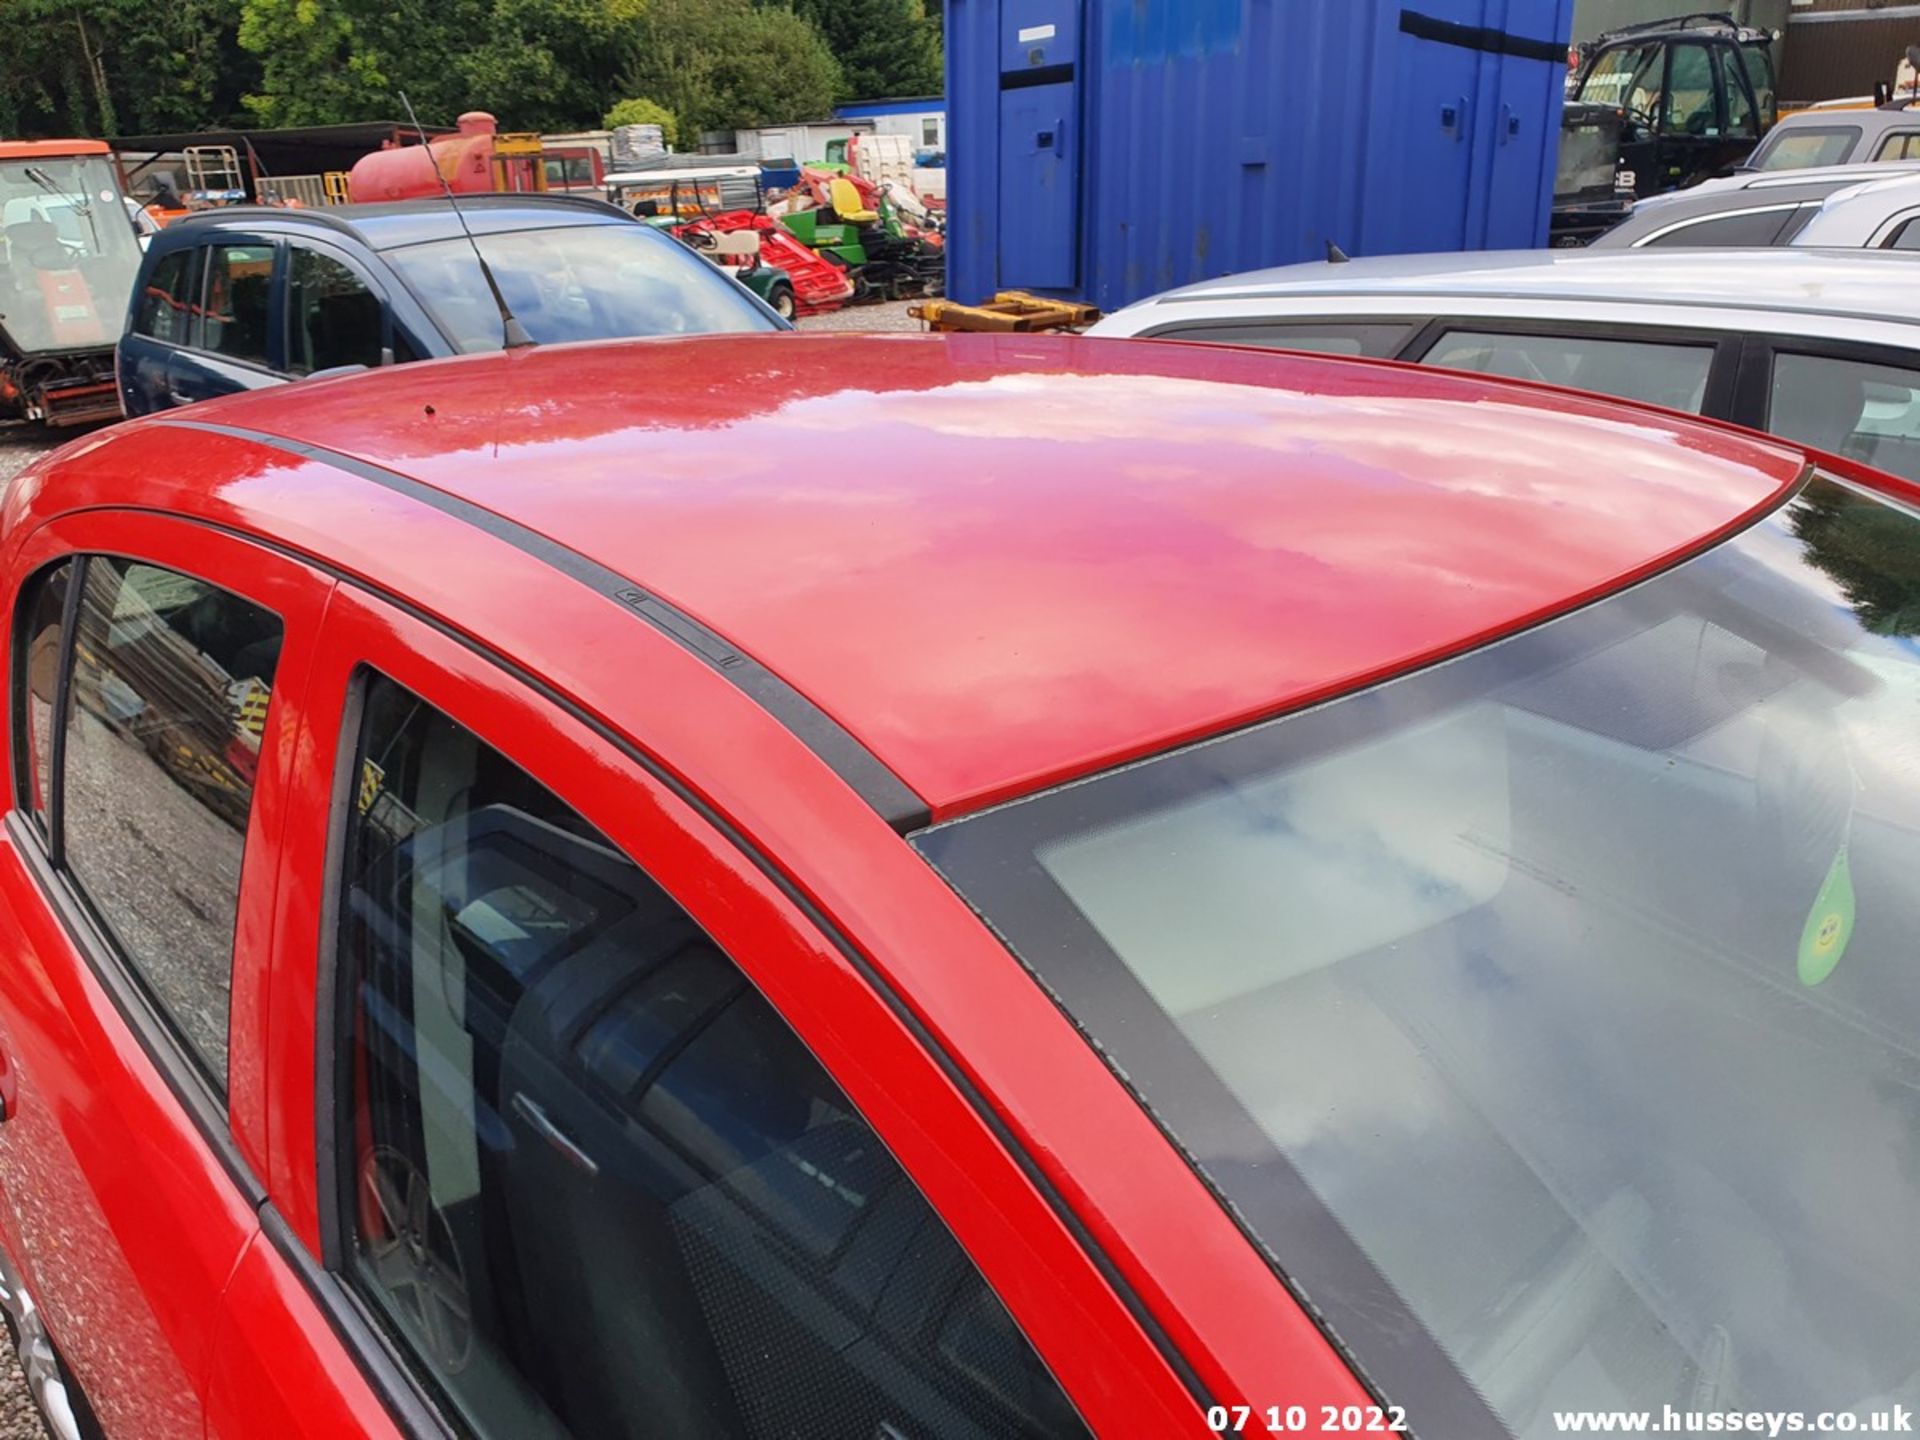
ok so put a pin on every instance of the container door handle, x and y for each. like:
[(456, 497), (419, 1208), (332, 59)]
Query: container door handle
[(1453, 117), (1054, 139), (1509, 124)]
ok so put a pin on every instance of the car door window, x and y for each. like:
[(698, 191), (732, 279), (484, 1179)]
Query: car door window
[(239, 284), (166, 706), (1661, 374), (165, 311), (1900, 145), (1868, 412), (1906, 237), (593, 1184), (1740, 116), (1688, 106), (333, 318), (1749, 228), (1317, 336)]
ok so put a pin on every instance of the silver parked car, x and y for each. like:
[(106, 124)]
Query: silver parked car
[(1839, 137), (1817, 345), (1883, 215), (1761, 207)]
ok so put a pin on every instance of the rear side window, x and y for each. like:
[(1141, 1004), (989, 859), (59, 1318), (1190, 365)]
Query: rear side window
[(38, 641), (1378, 341), (165, 311), (1752, 227), (1812, 145), (1907, 237), (1660, 374), (1900, 145), (594, 1185), (239, 287), (332, 317), (166, 707), (1867, 412)]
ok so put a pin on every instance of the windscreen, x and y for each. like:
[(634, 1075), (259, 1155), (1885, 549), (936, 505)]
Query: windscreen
[(580, 282), (1551, 1016), (69, 251)]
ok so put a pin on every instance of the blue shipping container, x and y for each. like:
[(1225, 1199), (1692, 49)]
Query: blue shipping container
[(1110, 149)]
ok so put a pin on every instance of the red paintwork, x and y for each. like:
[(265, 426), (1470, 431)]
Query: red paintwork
[(124, 1219), (1042, 555), (1025, 558)]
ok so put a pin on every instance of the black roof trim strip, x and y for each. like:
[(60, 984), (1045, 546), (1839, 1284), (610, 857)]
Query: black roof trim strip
[(891, 797)]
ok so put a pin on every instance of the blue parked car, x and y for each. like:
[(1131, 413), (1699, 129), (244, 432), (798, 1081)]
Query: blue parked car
[(238, 298)]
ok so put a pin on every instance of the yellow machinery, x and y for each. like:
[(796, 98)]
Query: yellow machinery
[(1010, 311)]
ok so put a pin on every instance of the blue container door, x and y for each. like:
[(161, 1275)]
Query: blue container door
[(1039, 145), (1039, 187), (1438, 104), (1526, 124)]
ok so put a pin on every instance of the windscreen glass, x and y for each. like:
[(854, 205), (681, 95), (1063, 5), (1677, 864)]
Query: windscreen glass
[(581, 282), (1549, 1015), (69, 253)]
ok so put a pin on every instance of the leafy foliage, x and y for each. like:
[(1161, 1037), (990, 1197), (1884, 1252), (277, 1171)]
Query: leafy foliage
[(101, 67), (538, 64), (106, 67), (719, 64), (885, 47), (644, 112)]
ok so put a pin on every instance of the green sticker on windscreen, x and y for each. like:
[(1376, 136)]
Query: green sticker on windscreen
[(1823, 939)]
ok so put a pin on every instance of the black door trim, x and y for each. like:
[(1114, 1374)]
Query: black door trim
[(1479, 37)]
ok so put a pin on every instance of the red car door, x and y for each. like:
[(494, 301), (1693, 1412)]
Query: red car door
[(609, 1139), (155, 668)]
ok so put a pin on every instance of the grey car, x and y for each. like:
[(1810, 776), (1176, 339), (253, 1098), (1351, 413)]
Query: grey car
[(1752, 208), (1809, 138), (1820, 346)]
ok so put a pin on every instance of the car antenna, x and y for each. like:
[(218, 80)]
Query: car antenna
[(515, 335), (1335, 255)]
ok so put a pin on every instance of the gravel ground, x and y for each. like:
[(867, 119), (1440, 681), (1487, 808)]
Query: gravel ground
[(891, 316), (17, 447)]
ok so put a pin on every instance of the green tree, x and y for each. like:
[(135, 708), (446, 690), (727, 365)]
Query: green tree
[(885, 47), (643, 112), (106, 67), (537, 64), (723, 64)]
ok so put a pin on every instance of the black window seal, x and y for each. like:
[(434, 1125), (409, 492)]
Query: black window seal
[(24, 779), (864, 772), (409, 1404)]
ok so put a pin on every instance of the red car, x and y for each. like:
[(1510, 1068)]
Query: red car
[(949, 888)]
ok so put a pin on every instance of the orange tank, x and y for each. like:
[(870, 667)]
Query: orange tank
[(476, 160)]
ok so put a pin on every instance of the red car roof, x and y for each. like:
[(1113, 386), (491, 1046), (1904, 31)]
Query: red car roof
[(1004, 561)]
